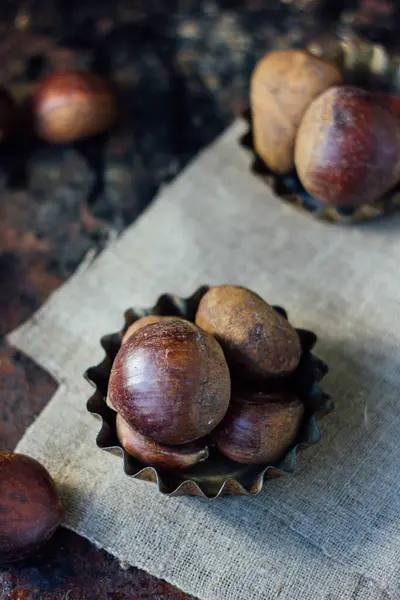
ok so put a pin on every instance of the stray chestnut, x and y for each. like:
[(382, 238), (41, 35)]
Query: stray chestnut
[(30, 509), (72, 105), (147, 320), (170, 381), (283, 84), (348, 147), (7, 114), (256, 339), (259, 428), (152, 454)]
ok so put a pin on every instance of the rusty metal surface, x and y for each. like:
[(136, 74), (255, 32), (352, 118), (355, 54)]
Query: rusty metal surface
[(70, 568), (182, 69)]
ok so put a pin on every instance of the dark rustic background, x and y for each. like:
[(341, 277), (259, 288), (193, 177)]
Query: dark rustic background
[(181, 69)]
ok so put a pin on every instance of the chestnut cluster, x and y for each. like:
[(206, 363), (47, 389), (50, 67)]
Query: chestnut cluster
[(179, 387), (68, 106), (343, 141), (30, 509)]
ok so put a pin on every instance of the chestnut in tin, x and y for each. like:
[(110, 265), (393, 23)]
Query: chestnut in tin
[(170, 382), (142, 322), (257, 340), (30, 509), (259, 428), (283, 84), (348, 147), (153, 454)]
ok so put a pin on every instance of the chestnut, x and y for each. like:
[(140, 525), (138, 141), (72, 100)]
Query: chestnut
[(348, 147), (30, 509), (257, 340), (283, 84), (259, 428), (170, 382), (152, 454), (7, 114), (72, 105), (147, 320)]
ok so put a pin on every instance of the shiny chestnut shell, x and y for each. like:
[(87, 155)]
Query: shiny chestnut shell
[(259, 428), (30, 509), (170, 381), (153, 454), (348, 147), (72, 105), (142, 322), (283, 84), (257, 340)]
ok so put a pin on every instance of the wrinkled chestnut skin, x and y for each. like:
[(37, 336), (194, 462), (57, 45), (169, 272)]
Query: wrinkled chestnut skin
[(30, 509), (170, 381), (283, 84), (7, 114), (147, 320), (73, 105), (152, 454), (348, 147), (256, 339), (259, 428)]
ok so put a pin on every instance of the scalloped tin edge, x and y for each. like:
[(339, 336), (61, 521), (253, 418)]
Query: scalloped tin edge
[(107, 439)]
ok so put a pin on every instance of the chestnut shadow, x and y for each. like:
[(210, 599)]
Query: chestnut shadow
[(338, 505)]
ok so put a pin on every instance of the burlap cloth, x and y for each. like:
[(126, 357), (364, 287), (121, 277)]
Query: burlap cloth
[(330, 531)]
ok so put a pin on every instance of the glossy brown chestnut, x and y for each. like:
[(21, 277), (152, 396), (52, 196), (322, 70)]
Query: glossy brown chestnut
[(348, 147), (147, 320), (30, 509), (256, 339), (152, 454), (283, 84), (259, 428), (170, 381), (7, 114), (73, 105)]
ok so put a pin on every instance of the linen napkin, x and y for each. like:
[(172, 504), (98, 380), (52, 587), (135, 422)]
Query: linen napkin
[(330, 531)]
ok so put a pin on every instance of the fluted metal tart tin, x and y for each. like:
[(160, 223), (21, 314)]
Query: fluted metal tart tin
[(218, 476), (362, 63)]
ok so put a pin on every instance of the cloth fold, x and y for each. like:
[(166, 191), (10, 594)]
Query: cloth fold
[(333, 529)]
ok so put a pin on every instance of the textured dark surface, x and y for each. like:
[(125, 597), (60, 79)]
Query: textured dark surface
[(181, 68)]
